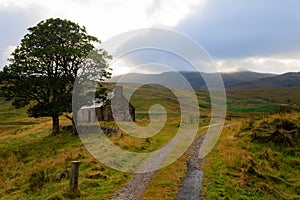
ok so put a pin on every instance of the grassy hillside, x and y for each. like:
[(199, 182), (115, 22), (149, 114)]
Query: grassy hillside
[(195, 79), (287, 80), (275, 95), (257, 159), (36, 164)]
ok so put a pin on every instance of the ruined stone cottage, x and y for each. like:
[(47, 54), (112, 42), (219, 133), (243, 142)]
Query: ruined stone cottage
[(122, 109)]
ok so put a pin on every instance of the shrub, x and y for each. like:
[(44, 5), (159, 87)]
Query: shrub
[(38, 179), (284, 132)]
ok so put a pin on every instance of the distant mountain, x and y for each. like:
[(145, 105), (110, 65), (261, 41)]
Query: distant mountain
[(244, 76), (291, 79), (195, 79)]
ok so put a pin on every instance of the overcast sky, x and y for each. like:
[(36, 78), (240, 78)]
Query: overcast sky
[(257, 35)]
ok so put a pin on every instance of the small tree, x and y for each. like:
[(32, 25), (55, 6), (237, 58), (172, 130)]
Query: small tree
[(44, 67)]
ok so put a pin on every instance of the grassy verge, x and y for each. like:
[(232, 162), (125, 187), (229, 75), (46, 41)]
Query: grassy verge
[(255, 160)]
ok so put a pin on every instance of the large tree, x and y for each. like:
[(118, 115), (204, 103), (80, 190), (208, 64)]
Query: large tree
[(44, 67)]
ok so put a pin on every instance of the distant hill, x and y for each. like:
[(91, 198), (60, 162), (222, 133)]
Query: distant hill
[(287, 80), (195, 79), (244, 76)]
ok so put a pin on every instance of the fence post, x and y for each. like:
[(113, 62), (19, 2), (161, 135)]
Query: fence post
[(74, 175)]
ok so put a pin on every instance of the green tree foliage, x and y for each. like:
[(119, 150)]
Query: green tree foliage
[(45, 65)]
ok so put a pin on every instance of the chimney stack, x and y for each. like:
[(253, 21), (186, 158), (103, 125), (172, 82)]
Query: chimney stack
[(118, 91)]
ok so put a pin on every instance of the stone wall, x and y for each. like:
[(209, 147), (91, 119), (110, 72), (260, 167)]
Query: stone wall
[(121, 111)]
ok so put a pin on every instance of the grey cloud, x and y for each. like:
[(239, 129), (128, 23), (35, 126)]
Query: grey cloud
[(234, 28), (14, 23), (13, 27), (165, 47)]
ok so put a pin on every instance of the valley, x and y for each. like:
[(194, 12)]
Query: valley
[(36, 164)]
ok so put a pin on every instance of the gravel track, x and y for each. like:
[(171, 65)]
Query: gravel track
[(192, 183), (191, 187), (135, 188)]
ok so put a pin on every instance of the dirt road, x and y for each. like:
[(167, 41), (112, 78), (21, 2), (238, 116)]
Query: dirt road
[(192, 183), (190, 188)]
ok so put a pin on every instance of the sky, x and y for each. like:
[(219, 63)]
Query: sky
[(256, 35)]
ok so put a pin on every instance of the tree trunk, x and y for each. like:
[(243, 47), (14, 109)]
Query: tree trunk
[(55, 125), (74, 120), (74, 130), (74, 127)]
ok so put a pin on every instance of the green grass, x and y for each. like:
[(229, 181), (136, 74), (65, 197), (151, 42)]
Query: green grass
[(53, 155), (28, 150), (28, 147), (275, 95), (241, 167), (235, 104), (32, 159)]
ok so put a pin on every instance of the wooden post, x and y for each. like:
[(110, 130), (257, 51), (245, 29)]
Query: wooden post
[(74, 175)]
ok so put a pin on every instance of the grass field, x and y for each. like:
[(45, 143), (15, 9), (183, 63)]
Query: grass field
[(256, 159), (275, 95), (36, 164)]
